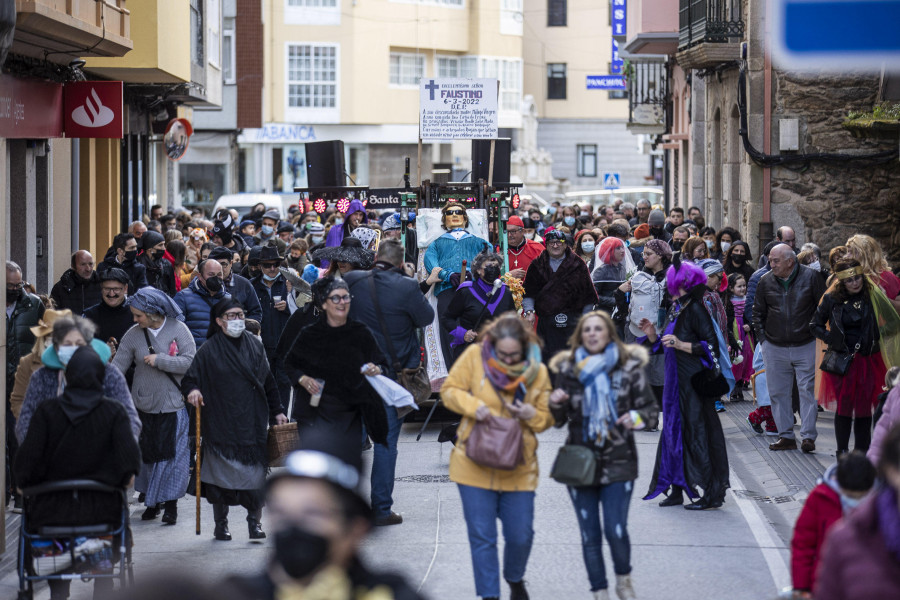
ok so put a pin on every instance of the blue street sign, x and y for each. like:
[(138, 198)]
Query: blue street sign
[(617, 64), (606, 82), (611, 181), (618, 17), (836, 34)]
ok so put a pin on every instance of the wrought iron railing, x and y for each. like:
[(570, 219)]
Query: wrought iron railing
[(716, 21), (647, 92)]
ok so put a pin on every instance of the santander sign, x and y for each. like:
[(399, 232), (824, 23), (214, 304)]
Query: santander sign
[(93, 109)]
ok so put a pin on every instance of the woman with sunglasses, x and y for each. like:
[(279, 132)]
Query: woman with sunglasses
[(860, 323), (328, 363)]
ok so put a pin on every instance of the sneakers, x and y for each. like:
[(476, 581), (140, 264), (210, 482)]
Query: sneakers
[(772, 432), (601, 595), (808, 446), (720, 406), (784, 444), (624, 589), (755, 426), (390, 519)]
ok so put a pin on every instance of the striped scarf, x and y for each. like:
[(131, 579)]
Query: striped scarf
[(599, 407), (510, 378)]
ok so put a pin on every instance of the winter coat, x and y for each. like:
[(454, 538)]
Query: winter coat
[(160, 274), (45, 383), (196, 303), (465, 389), (752, 284), (19, 339), (821, 510), (272, 321), (781, 316), (890, 416), (242, 290), (27, 366), (111, 322), (75, 293), (848, 325), (856, 563), (617, 458)]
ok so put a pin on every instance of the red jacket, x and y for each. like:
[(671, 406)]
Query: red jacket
[(821, 511)]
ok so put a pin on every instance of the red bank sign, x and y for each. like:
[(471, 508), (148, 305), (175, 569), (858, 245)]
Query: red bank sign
[(30, 108), (93, 109)]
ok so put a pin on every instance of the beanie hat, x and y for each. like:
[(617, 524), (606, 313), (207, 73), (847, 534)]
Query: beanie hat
[(656, 218), (642, 231), (660, 247)]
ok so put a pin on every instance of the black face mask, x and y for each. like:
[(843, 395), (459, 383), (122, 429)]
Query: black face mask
[(491, 272), (130, 255), (676, 245), (214, 284), (656, 231), (300, 552), (225, 236), (738, 259), (12, 296)]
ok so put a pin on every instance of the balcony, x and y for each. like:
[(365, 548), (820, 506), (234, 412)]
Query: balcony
[(709, 32), (648, 90), (66, 29)]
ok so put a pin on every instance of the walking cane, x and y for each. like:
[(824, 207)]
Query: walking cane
[(197, 468)]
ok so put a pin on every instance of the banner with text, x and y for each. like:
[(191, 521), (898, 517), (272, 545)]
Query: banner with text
[(458, 109)]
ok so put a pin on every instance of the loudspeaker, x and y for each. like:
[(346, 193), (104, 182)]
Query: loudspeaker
[(481, 156), (325, 164)]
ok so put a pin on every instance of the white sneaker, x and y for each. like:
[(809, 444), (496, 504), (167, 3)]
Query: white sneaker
[(624, 589), (601, 595)]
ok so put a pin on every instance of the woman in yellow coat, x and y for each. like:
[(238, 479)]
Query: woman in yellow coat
[(503, 376)]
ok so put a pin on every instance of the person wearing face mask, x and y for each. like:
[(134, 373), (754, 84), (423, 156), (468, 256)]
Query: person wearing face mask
[(111, 315), (657, 223), (198, 299), (538, 219), (123, 255), (267, 232), (739, 259), (70, 333), (585, 244), (160, 273), (297, 258), (237, 286), (315, 236), (614, 267), (319, 520), (839, 492), (725, 239), (569, 216), (476, 303), (224, 236), (230, 379), (350, 220), (520, 250)]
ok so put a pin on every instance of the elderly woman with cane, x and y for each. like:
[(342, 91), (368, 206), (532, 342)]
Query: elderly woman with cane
[(161, 349)]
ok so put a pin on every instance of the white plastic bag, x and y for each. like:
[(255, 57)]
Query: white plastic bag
[(391, 392)]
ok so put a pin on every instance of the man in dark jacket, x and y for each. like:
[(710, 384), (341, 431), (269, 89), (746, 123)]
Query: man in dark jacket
[(79, 286), (123, 255), (239, 287), (272, 293), (223, 234), (111, 316), (786, 300), (402, 312), (197, 300)]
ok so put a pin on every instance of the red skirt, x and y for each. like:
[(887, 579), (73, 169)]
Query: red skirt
[(856, 393)]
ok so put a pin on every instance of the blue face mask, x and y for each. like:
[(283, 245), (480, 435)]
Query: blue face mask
[(552, 210), (267, 229), (587, 247), (569, 221), (64, 353), (848, 503), (338, 221), (270, 277)]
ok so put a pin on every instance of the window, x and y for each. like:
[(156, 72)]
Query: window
[(454, 3), (447, 66), (468, 66), (312, 3), (312, 76), (511, 17), (312, 12), (509, 72), (587, 160), (618, 94), (556, 81), (556, 13), (197, 32), (213, 30), (407, 69), (228, 53)]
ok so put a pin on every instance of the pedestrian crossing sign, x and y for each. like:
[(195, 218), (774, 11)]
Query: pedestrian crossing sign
[(610, 181)]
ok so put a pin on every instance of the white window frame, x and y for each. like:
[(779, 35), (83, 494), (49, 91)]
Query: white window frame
[(456, 4), (228, 32), (454, 60), (214, 32), (401, 57), (312, 12), (512, 17), (581, 155), (312, 114)]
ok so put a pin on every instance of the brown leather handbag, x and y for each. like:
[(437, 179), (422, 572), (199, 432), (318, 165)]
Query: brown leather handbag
[(496, 443)]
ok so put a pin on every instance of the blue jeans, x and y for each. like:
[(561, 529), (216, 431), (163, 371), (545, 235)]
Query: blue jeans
[(481, 508), (384, 463), (614, 498)]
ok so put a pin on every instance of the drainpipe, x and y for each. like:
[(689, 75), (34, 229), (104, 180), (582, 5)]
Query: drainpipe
[(75, 193), (766, 228)]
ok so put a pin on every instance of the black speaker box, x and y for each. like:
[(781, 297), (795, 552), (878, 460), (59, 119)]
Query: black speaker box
[(481, 156), (325, 164)]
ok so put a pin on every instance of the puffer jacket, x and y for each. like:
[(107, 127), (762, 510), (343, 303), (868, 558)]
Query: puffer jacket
[(782, 316), (821, 510), (196, 303), (617, 457), (75, 293), (465, 389), (19, 339)]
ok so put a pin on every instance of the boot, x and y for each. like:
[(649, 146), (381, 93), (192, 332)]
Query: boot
[(676, 497), (170, 514), (601, 595), (151, 513), (220, 514), (517, 590), (624, 589), (254, 526)]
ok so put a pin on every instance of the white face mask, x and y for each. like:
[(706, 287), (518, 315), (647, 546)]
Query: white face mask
[(815, 266), (587, 247), (848, 503), (726, 246), (64, 353), (234, 328), (317, 239)]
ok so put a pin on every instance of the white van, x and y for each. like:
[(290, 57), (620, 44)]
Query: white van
[(244, 202)]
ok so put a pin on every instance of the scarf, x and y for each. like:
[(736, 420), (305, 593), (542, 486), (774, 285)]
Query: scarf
[(511, 378), (889, 520), (83, 391), (599, 407), (154, 302)]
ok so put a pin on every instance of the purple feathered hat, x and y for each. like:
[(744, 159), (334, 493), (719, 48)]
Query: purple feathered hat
[(683, 275)]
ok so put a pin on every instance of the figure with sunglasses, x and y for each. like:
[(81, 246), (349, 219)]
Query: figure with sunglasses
[(848, 321), (521, 251), (448, 252), (272, 291), (327, 364)]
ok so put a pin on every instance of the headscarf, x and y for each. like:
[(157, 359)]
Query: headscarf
[(599, 407), (510, 378), (154, 302), (660, 247), (84, 384), (324, 287)]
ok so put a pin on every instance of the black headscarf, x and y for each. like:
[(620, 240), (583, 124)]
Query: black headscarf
[(323, 288), (216, 313), (84, 384)]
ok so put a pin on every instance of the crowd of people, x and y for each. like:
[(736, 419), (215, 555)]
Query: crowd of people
[(605, 320)]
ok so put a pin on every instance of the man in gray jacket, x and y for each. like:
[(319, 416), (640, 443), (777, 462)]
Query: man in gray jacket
[(786, 299), (403, 310)]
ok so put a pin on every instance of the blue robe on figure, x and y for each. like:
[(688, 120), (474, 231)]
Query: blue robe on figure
[(448, 252)]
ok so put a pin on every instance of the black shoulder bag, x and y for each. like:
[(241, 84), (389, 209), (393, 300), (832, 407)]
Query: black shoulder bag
[(158, 430)]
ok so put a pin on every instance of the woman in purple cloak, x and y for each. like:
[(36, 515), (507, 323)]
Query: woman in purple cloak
[(691, 450)]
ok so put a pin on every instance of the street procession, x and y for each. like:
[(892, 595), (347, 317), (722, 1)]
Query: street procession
[(282, 327)]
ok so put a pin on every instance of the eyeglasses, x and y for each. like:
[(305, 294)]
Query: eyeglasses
[(14, 287), (269, 265), (508, 355), (340, 299), (514, 230), (234, 316), (455, 211), (555, 242)]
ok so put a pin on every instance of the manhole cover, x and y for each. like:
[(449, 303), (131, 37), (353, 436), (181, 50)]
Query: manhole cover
[(425, 479), (762, 498)]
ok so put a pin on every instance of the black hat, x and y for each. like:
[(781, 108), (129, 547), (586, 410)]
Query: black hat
[(350, 251), (150, 239), (286, 228), (221, 252), (253, 258), (528, 223), (269, 254), (115, 274), (554, 234)]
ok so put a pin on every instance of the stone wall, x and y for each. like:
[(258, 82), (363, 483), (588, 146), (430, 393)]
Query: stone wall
[(831, 202)]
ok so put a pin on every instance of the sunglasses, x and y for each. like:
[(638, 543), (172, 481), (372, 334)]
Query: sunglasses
[(455, 212), (269, 265)]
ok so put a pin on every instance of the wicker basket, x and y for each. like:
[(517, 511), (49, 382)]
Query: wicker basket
[(283, 439)]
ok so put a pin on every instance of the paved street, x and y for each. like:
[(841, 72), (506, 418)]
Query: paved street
[(739, 552)]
